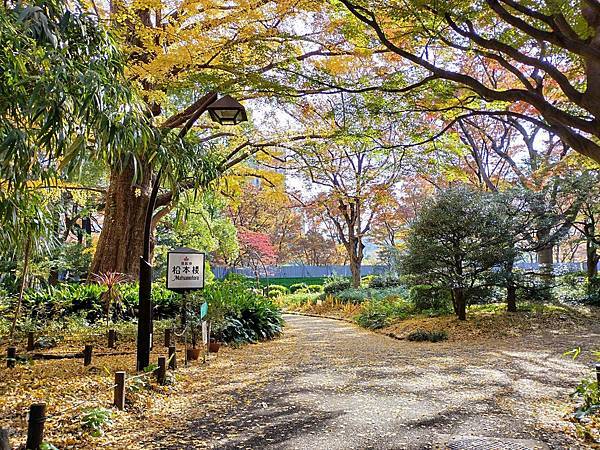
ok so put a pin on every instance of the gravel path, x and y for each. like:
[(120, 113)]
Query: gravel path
[(330, 385)]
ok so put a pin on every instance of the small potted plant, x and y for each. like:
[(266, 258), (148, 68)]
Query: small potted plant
[(194, 324), (216, 317)]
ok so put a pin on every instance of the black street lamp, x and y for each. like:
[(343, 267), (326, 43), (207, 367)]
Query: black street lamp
[(226, 111)]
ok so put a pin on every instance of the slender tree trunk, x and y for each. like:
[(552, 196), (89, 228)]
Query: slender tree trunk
[(511, 297), (511, 288), (26, 258), (460, 302), (122, 237), (545, 260), (592, 259), (591, 250)]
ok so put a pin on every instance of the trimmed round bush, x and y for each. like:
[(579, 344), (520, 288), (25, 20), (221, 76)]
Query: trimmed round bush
[(276, 290), (297, 286), (337, 285), (314, 288)]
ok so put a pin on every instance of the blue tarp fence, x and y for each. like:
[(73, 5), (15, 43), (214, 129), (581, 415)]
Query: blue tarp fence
[(326, 271)]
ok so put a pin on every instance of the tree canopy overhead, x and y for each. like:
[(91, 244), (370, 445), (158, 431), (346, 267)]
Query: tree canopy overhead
[(537, 61)]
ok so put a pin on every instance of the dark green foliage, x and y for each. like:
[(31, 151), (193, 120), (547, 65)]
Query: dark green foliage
[(353, 295), (427, 297), (384, 281), (336, 285), (430, 336), (239, 314), (457, 240), (298, 286), (287, 282), (71, 299), (360, 295), (379, 313)]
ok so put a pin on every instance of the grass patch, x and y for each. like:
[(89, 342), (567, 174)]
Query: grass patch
[(377, 314), (287, 282), (298, 299)]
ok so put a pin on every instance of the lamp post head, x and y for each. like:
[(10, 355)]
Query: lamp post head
[(227, 111)]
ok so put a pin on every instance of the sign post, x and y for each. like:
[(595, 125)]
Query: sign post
[(186, 270), (185, 273)]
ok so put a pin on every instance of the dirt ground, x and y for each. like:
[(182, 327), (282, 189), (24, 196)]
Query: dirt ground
[(324, 384)]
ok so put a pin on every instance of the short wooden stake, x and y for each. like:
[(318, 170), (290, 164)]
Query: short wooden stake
[(11, 357), (161, 372), (168, 337), (172, 358), (30, 341), (87, 355), (119, 400), (598, 374), (4, 442), (112, 339), (35, 428)]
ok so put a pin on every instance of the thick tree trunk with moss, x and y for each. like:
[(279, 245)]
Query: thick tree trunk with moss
[(122, 237)]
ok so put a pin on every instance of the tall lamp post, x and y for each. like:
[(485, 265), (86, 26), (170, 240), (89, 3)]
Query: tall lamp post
[(226, 111)]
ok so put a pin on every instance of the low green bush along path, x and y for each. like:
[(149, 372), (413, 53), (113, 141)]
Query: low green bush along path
[(327, 384)]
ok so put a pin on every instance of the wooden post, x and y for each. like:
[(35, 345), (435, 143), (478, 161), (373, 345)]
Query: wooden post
[(168, 337), (4, 443), (87, 355), (112, 339), (161, 372), (30, 341), (11, 357), (35, 428), (172, 358), (598, 375), (119, 400)]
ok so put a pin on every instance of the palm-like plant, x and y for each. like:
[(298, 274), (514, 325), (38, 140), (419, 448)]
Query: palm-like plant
[(111, 295)]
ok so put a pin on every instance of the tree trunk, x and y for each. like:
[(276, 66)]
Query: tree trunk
[(26, 258), (460, 303), (592, 259), (545, 261), (355, 270), (122, 237), (591, 249), (511, 288), (511, 297)]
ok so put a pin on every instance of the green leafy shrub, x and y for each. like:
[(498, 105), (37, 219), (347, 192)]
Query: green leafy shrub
[(384, 281), (68, 299), (379, 313), (312, 288), (95, 419), (588, 392), (430, 336), (336, 284), (298, 286), (276, 290), (300, 299), (239, 314), (353, 295), (426, 297), (287, 282)]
